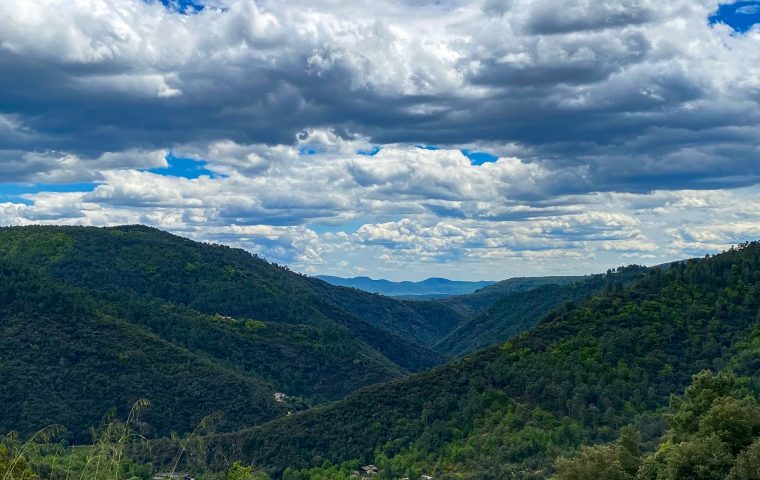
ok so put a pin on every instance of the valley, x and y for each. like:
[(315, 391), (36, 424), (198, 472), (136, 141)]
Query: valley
[(305, 379)]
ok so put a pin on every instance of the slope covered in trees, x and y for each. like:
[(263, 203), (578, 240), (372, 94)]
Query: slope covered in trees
[(150, 298), (577, 378), (523, 306), (467, 306), (195, 329), (213, 279), (66, 362)]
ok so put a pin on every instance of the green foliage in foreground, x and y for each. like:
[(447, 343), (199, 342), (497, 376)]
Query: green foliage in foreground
[(714, 435), (108, 457)]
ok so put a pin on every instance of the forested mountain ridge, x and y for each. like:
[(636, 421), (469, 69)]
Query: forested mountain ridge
[(524, 303), (467, 306), (140, 305), (509, 411), (213, 279), (251, 322)]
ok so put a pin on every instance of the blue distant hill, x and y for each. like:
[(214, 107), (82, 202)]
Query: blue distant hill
[(430, 288)]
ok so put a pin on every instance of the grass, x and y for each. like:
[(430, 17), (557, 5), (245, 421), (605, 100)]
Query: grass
[(113, 453)]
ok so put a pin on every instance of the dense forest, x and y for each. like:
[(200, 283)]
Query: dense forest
[(89, 315), (634, 374), (522, 306), (577, 378)]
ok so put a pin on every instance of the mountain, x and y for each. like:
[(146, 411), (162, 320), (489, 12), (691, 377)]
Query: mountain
[(64, 361), (521, 304), (511, 410), (432, 287), (82, 304), (470, 305), (242, 319)]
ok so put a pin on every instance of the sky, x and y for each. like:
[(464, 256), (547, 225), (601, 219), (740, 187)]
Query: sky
[(397, 139)]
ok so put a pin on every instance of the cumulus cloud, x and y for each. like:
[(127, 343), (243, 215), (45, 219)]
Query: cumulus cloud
[(608, 121), (573, 84), (403, 208)]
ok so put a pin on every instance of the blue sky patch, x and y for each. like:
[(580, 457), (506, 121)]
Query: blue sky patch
[(12, 192), (479, 158), (185, 7), (740, 16), (308, 151), (183, 167), (371, 152), (428, 147)]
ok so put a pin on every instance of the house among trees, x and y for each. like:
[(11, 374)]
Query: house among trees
[(370, 470)]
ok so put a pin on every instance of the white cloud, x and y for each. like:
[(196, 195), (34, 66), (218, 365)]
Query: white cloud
[(623, 128)]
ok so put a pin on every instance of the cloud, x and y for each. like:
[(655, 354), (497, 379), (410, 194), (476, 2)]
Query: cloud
[(546, 17), (748, 9), (579, 84), (606, 120), (19, 166)]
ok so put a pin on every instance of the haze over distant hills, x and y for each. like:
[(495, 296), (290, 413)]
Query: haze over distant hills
[(431, 287)]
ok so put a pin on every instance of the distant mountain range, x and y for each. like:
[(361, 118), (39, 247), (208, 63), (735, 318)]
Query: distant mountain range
[(430, 288)]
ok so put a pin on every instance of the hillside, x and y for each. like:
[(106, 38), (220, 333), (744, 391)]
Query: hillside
[(148, 263), (523, 306), (65, 362), (146, 299), (575, 379), (431, 287), (467, 306)]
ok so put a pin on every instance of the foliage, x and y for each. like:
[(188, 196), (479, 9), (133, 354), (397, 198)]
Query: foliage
[(582, 373), (714, 435), (137, 261), (522, 308), (620, 461), (240, 472)]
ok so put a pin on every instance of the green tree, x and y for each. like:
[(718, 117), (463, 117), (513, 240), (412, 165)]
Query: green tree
[(703, 458), (747, 464), (735, 422), (239, 472), (616, 462)]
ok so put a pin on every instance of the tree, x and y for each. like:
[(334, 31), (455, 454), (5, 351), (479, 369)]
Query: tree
[(704, 458), (747, 464), (615, 462), (238, 472)]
